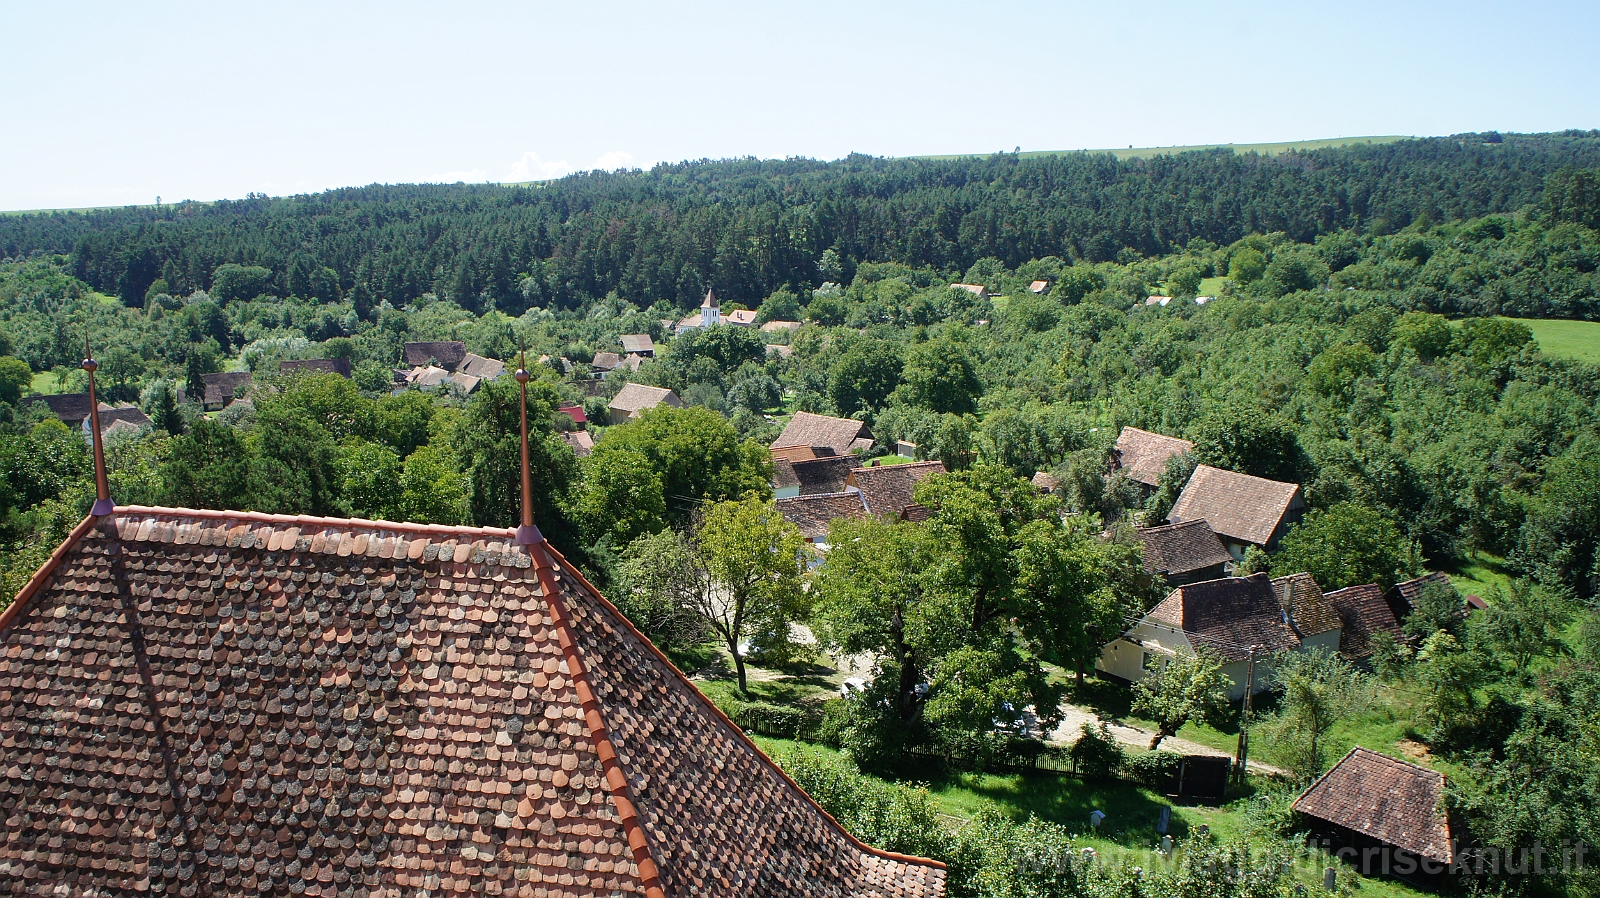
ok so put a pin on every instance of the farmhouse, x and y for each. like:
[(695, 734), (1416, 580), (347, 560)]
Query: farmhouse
[(229, 703), (435, 363), (638, 344), (1142, 456), (222, 387), (116, 420), (1227, 617), (886, 489), (634, 399), (814, 513), (1245, 511), (811, 476), (841, 435), (1363, 614), (1382, 815), (71, 408), (1183, 553)]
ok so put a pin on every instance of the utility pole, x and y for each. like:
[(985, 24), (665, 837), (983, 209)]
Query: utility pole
[(1244, 716)]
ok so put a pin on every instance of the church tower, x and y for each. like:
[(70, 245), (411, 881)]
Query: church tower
[(710, 313)]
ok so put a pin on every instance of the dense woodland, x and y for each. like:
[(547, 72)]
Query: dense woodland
[(1352, 346)]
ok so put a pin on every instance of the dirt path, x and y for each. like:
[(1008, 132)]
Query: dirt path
[(1074, 717)]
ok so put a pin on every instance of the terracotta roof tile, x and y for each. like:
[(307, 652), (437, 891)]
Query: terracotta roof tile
[(1402, 597), (128, 415), (1385, 799), (446, 353), (1301, 598), (813, 513), (480, 367), (637, 343), (1229, 615), (605, 361), (221, 386), (1142, 455), (1237, 506), (639, 397), (1177, 549), (1363, 613), (807, 429), (886, 489), (321, 707), (824, 475)]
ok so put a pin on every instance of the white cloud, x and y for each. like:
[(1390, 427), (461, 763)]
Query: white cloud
[(531, 168), (614, 160), (450, 177)]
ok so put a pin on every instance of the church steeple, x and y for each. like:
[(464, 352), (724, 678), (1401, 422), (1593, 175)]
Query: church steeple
[(710, 312), (102, 489)]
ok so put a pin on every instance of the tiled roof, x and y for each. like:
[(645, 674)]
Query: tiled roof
[(886, 489), (782, 352), (974, 289), (1408, 591), (1142, 455), (579, 441), (638, 397), (1301, 597), (1181, 548), (813, 513), (1046, 482), (740, 318), (1039, 287), (1229, 615), (71, 408), (128, 414), (605, 361), (429, 376), (1384, 799), (807, 429), (480, 367), (575, 412), (802, 453), (447, 353), (340, 367), (301, 706), (824, 475), (1237, 506), (220, 387), (632, 343), (1363, 613)]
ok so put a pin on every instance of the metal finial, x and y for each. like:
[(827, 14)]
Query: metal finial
[(527, 534), (102, 489)]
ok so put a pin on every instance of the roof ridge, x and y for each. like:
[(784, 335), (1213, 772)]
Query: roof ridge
[(42, 575), (621, 794), (739, 733), (268, 518)]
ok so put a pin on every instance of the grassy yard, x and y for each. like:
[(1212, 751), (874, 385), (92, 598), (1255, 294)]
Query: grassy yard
[(1480, 575), (1212, 286), (1578, 340)]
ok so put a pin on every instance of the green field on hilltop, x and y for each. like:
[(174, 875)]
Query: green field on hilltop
[(1264, 149), (1569, 339)]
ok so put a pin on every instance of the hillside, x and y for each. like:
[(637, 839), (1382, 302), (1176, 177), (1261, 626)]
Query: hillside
[(1262, 149)]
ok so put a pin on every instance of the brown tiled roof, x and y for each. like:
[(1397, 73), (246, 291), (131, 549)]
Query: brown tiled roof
[(447, 353), (579, 441), (1229, 615), (640, 343), (886, 489), (1142, 455), (807, 429), (824, 475), (813, 513), (605, 361), (802, 453), (1410, 589), (638, 397), (740, 318), (1046, 482), (1237, 506), (480, 367), (324, 707), (783, 473), (340, 367), (1181, 548), (1384, 799), (429, 376), (71, 408), (1363, 613), (128, 414), (220, 387), (1309, 612), (916, 513), (1039, 287), (782, 352)]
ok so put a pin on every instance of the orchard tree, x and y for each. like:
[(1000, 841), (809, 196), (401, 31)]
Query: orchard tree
[(756, 563), (697, 455), (1348, 545), (1188, 687), (618, 495), (1317, 689)]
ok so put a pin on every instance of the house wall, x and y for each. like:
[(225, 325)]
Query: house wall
[(1215, 572), (1328, 641), (786, 492), (1125, 658)]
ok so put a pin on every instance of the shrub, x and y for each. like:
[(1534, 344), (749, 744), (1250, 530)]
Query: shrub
[(1153, 769), (892, 816), (1096, 754)]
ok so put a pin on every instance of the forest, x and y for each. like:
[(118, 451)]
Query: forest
[(1351, 320)]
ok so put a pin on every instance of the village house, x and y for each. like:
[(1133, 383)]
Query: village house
[(579, 441), (1402, 597), (439, 362), (1363, 614), (122, 419), (222, 388), (635, 399), (1141, 456), (886, 489), (1381, 815), (809, 470), (1183, 553), (841, 435), (1039, 288), (813, 514), (977, 290), (71, 408), (1227, 617), (639, 345), (1244, 510), (772, 327)]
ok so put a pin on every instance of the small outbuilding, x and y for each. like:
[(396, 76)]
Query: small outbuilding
[(1381, 815)]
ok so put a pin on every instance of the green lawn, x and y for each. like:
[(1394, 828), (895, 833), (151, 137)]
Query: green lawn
[(1568, 339), (1480, 575), (1212, 286)]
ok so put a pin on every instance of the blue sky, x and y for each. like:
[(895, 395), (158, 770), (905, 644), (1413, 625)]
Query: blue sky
[(111, 103)]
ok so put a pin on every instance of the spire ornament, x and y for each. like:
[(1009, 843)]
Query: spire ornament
[(102, 489), (527, 534)]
